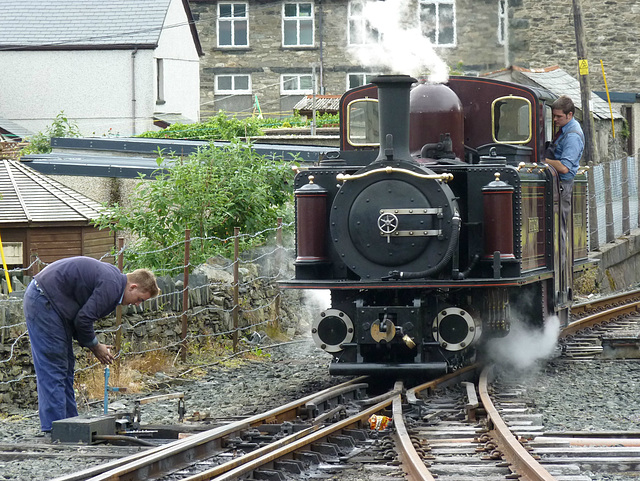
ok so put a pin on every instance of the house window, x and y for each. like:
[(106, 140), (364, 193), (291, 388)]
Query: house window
[(296, 84), (233, 84), (438, 21), (160, 81), (357, 79), (502, 21), (233, 25), (360, 30), (297, 24)]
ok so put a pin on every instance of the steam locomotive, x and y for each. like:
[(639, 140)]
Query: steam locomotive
[(436, 226)]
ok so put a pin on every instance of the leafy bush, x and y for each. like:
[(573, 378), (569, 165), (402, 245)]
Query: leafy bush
[(219, 127), (40, 143), (223, 127), (210, 192)]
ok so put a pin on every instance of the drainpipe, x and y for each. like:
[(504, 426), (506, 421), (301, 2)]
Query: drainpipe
[(507, 63), (133, 91), (321, 40)]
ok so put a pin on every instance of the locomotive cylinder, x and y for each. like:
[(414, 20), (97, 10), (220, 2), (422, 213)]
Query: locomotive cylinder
[(497, 199), (311, 221)]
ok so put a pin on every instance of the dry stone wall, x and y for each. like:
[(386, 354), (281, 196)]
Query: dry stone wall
[(157, 323)]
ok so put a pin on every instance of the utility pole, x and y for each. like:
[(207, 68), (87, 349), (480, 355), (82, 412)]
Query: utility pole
[(590, 150)]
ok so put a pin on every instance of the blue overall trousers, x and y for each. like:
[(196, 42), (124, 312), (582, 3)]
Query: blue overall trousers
[(53, 359)]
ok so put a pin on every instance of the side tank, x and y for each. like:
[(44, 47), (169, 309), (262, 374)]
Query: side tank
[(435, 111)]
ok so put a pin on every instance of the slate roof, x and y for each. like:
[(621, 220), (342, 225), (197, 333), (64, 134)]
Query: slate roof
[(81, 23), (559, 82), (28, 196)]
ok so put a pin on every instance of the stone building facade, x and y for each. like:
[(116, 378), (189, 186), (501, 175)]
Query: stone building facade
[(260, 56)]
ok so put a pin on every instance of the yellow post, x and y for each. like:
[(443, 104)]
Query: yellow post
[(4, 264), (613, 127)]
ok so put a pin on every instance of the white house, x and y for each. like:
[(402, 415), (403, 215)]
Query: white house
[(112, 66)]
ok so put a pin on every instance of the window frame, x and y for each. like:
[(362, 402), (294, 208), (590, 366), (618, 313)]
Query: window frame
[(437, 4), (160, 78), (530, 120), (232, 20), (298, 19), (367, 78), (368, 32), (233, 90), (297, 91), (350, 140)]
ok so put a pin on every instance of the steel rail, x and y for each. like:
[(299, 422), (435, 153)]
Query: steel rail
[(526, 466), (592, 319), (412, 463), (268, 454), (603, 303), (194, 447)]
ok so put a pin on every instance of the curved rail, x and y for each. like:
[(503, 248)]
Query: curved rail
[(412, 463), (180, 452), (514, 452), (251, 461)]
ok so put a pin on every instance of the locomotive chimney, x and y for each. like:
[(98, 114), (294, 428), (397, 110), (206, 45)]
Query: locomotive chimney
[(393, 112)]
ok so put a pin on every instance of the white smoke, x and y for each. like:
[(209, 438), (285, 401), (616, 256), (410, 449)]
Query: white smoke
[(318, 299), (403, 49), (524, 345)]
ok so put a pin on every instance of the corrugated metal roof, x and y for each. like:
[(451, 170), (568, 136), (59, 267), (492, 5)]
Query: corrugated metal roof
[(94, 23), (12, 130), (325, 103), (28, 196)]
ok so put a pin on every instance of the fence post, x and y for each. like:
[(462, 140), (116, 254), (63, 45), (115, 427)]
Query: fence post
[(624, 172), (34, 255), (276, 321), (608, 202), (236, 286), (119, 307), (185, 294), (638, 183)]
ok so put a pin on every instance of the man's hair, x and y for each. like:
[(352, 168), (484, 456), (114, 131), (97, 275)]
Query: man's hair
[(565, 104), (146, 281)]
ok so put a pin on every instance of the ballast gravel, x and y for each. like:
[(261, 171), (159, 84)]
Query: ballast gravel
[(572, 396), (291, 371)]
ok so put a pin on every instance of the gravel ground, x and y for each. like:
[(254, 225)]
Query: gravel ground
[(599, 395), (604, 396), (292, 371)]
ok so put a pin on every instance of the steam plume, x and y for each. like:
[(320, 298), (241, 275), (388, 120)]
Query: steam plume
[(403, 49), (524, 345)]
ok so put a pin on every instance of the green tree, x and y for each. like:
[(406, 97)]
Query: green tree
[(210, 192), (40, 143)]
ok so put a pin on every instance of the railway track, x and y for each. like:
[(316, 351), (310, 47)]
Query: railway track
[(457, 427)]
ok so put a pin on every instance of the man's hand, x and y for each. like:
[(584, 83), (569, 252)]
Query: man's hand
[(102, 352)]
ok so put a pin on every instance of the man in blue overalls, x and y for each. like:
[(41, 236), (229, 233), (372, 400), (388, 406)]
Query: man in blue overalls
[(61, 303)]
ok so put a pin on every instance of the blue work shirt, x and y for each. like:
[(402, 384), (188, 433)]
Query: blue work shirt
[(569, 148)]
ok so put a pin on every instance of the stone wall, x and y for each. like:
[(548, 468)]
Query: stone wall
[(537, 38), (157, 323), (541, 38)]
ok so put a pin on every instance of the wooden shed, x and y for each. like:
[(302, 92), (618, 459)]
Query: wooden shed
[(41, 216)]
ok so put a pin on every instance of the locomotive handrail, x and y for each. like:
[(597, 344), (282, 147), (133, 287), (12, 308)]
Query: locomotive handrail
[(390, 170), (541, 167)]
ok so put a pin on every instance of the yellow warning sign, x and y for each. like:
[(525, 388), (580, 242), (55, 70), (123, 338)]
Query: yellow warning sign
[(583, 65)]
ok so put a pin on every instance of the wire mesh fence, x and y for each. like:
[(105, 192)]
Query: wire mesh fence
[(222, 300)]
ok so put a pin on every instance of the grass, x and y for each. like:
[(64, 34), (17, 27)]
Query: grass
[(136, 372)]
